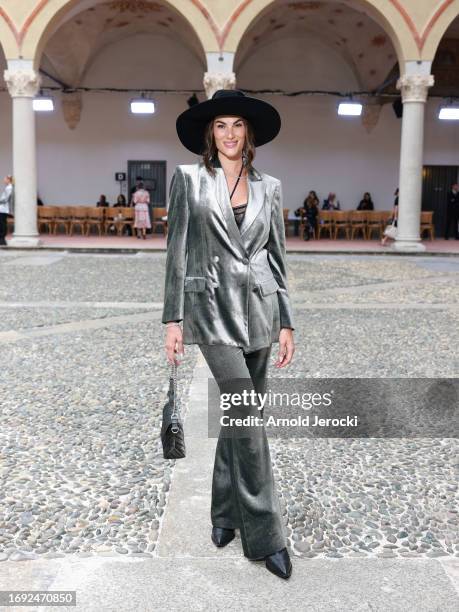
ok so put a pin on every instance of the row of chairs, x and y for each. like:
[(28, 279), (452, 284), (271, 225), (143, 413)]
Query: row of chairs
[(366, 223), (52, 218), (352, 222)]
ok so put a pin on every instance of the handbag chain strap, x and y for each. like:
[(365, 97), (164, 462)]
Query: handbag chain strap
[(175, 414)]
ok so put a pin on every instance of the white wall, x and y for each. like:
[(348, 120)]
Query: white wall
[(314, 150)]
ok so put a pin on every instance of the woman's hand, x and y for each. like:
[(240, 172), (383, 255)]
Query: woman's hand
[(286, 347), (174, 343)]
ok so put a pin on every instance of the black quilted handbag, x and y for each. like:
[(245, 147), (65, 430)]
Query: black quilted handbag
[(172, 434)]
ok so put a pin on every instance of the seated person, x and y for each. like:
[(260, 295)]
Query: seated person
[(120, 200), (331, 203), (102, 201), (366, 203), (312, 199)]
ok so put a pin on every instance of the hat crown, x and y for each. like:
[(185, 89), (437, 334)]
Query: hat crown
[(228, 93)]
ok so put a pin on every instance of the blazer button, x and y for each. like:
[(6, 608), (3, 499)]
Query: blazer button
[(245, 261)]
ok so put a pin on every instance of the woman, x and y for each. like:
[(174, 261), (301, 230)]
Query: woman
[(141, 200), (331, 203), (366, 203), (6, 208), (120, 200), (226, 280), (391, 232), (311, 207)]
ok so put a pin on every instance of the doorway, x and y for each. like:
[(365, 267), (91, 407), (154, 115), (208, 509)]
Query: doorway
[(436, 183)]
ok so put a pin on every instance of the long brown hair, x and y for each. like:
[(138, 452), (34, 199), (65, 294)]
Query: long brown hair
[(210, 148)]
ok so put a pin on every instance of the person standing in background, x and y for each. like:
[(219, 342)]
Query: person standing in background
[(6, 208), (138, 181), (392, 232), (141, 200), (452, 211)]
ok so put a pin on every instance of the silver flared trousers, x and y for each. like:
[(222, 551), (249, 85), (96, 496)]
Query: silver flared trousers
[(244, 492)]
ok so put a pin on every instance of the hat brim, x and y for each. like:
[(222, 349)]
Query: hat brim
[(263, 117)]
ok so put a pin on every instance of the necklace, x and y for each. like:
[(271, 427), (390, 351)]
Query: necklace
[(237, 182), (234, 175)]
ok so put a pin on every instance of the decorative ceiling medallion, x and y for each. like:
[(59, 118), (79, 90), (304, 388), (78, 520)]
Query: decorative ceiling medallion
[(135, 6)]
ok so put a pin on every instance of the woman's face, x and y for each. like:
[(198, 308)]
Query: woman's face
[(229, 134)]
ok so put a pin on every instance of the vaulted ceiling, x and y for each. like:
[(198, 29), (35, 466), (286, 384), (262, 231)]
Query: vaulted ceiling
[(77, 41), (359, 39)]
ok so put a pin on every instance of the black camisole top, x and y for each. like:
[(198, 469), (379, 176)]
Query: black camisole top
[(239, 213)]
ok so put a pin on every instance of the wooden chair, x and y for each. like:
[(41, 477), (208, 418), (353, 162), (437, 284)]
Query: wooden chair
[(159, 212), (78, 218), (46, 218), (95, 217), (286, 212), (358, 221), (340, 222), (375, 222), (61, 217), (303, 225), (427, 223), (113, 217), (128, 213), (325, 223)]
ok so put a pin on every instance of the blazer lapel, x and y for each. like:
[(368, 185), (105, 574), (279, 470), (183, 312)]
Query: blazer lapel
[(255, 202), (256, 196)]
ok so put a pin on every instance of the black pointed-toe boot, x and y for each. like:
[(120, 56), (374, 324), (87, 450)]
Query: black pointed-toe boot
[(222, 536), (279, 563)]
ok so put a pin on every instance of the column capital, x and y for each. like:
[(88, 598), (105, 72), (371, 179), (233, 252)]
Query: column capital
[(415, 87), (22, 82), (213, 81)]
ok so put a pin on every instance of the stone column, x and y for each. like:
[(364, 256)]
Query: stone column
[(219, 73), (23, 84), (414, 88)]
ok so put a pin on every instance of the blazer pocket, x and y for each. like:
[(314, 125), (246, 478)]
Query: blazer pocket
[(268, 286), (195, 283)]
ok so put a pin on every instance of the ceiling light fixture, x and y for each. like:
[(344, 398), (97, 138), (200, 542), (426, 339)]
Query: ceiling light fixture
[(142, 106), (43, 104), (449, 112), (350, 108)]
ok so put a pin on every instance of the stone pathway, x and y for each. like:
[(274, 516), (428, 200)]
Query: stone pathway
[(88, 503)]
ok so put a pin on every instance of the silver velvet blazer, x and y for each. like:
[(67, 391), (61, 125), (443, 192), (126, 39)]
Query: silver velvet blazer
[(227, 284)]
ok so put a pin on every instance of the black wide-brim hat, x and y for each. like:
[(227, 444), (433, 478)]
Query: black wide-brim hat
[(263, 117)]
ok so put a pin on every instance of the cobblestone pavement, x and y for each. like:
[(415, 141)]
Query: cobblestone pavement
[(84, 381)]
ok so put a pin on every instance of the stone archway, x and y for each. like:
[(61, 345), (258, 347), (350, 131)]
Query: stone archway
[(436, 27), (51, 13), (390, 19), (8, 35)]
